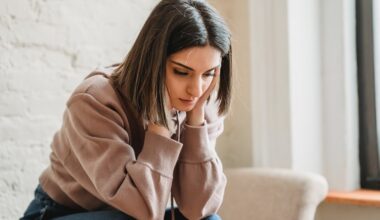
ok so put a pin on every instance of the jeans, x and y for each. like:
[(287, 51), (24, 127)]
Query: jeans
[(43, 207)]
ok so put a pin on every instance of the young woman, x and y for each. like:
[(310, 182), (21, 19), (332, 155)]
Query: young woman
[(138, 134)]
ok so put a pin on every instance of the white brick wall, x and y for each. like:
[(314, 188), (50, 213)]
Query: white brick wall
[(46, 48)]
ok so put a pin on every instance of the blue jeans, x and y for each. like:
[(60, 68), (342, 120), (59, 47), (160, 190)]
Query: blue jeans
[(43, 207)]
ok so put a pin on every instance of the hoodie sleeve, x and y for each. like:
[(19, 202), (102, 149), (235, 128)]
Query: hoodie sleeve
[(139, 187), (199, 181)]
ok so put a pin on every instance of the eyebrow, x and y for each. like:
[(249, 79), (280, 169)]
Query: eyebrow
[(189, 68)]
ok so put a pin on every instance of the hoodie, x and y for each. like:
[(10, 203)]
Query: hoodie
[(94, 163)]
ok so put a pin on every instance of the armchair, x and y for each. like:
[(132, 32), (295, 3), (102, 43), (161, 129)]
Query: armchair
[(272, 194)]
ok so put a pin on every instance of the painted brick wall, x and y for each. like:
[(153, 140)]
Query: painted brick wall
[(46, 48)]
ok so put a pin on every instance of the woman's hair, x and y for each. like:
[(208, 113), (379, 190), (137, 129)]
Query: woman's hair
[(173, 25)]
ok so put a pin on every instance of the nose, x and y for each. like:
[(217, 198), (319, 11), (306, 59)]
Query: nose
[(194, 87)]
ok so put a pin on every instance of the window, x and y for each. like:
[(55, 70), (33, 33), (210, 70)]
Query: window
[(368, 55)]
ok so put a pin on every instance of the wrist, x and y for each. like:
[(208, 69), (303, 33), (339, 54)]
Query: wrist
[(195, 118)]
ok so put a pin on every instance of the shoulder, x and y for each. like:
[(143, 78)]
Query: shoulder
[(97, 85), (95, 97)]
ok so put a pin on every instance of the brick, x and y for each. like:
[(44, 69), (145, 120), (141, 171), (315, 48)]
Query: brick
[(17, 9), (34, 81), (3, 86), (48, 104), (35, 59), (5, 59), (12, 129), (46, 49), (39, 34), (12, 104)]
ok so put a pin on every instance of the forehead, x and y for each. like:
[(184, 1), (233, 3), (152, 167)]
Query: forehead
[(198, 58)]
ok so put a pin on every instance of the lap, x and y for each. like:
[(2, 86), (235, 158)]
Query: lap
[(97, 215), (43, 207)]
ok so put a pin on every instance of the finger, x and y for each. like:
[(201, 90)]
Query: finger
[(211, 86)]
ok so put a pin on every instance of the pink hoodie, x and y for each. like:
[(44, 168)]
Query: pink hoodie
[(94, 166)]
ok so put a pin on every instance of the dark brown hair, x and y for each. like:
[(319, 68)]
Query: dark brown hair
[(173, 25)]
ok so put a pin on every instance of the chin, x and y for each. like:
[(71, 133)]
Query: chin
[(184, 108)]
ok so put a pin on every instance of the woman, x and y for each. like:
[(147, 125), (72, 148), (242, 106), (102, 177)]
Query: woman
[(141, 132)]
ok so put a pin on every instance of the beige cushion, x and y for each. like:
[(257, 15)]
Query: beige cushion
[(272, 194)]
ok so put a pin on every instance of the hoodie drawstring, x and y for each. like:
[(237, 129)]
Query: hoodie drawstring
[(178, 139)]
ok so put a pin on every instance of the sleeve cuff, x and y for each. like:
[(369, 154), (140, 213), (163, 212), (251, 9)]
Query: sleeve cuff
[(160, 153), (196, 147)]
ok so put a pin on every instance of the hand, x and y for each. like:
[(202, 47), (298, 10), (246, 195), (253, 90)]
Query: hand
[(196, 115)]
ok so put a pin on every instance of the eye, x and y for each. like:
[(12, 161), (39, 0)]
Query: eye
[(180, 72), (209, 74)]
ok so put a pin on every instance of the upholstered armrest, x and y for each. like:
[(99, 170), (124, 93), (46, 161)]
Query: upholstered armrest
[(272, 194)]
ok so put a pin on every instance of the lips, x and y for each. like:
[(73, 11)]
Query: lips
[(187, 101)]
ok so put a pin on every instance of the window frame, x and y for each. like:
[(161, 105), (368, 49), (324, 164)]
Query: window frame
[(368, 138)]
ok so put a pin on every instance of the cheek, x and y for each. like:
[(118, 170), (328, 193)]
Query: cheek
[(174, 86)]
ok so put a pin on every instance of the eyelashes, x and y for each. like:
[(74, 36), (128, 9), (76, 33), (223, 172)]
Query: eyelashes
[(180, 72), (208, 74)]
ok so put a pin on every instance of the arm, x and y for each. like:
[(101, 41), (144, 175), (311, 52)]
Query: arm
[(199, 181), (97, 139)]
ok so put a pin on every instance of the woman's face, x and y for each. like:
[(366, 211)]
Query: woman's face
[(189, 73)]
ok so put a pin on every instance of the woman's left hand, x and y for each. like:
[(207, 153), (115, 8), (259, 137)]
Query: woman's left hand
[(196, 116)]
